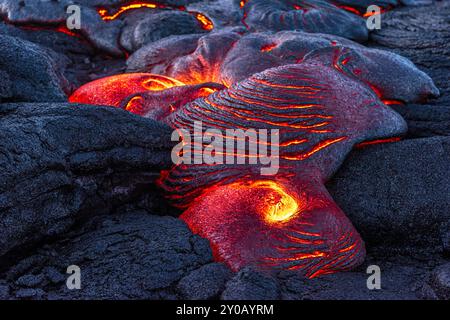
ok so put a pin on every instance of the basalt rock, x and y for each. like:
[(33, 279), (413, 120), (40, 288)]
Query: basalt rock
[(207, 282), (29, 72), (249, 284), (131, 255), (53, 14), (439, 283), (426, 120), (401, 278), (228, 57), (151, 27), (397, 195), (421, 34), (106, 25), (363, 4), (59, 161)]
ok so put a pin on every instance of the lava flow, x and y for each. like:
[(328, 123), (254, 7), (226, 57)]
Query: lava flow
[(286, 220), (113, 90), (150, 95)]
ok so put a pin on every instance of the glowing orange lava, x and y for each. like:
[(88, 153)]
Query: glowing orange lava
[(112, 90), (104, 13), (268, 47), (350, 9), (278, 206), (206, 23), (321, 145), (203, 20)]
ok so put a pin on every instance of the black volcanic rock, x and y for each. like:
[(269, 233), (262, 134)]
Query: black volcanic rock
[(400, 278), (29, 72), (4, 290), (445, 237), (397, 194), (103, 36), (207, 282), (126, 256), (426, 120), (150, 27), (420, 34), (439, 282), (363, 4), (249, 284), (59, 161)]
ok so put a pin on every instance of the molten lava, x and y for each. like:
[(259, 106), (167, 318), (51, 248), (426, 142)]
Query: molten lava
[(377, 141), (113, 90), (278, 206)]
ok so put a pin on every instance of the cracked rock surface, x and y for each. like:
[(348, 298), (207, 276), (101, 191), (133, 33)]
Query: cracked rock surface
[(132, 255), (60, 161)]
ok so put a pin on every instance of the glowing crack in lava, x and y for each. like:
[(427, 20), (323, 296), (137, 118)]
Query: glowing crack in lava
[(289, 220), (203, 20)]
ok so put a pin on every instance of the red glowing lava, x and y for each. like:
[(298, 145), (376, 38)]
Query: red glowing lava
[(268, 47), (114, 89), (377, 141), (271, 225)]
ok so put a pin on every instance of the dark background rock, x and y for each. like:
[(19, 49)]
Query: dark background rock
[(249, 284), (397, 194), (30, 72), (60, 161), (207, 282), (440, 281), (131, 255), (401, 278), (82, 62), (426, 120), (152, 26), (420, 34)]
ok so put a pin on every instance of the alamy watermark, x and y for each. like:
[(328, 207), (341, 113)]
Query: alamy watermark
[(373, 14), (74, 280), (73, 21), (231, 146), (374, 280)]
